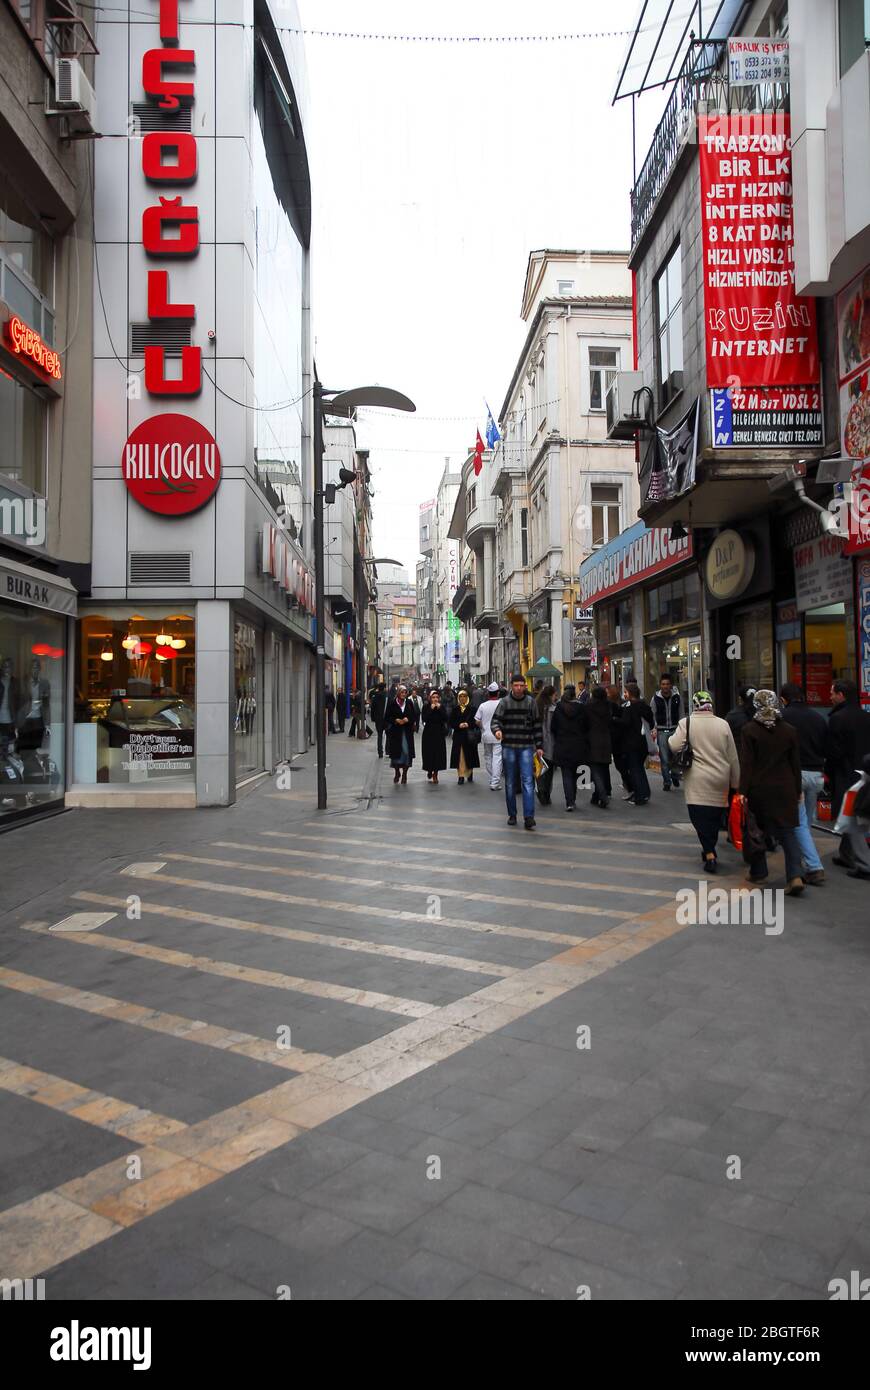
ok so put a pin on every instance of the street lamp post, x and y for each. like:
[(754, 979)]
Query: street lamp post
[(342, 403)]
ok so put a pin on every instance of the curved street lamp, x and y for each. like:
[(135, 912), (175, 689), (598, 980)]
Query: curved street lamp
[(341, 403)]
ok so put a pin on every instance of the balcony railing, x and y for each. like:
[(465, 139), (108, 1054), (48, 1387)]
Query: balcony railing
[(701, 64)]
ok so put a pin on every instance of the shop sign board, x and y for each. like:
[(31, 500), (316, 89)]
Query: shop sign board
[(582, 641), (637, 554), (822, 573), (757, 62), (788, 621), (28, 347), (20, 585), (170, 751), (853, 364), (279, 562), (774, 419), (171, 465), (729, 565), (862, 568), (758, 331)]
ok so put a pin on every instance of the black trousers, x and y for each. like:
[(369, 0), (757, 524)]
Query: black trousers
[(638, 780), (379, 725), (707, 821), (600, 773)]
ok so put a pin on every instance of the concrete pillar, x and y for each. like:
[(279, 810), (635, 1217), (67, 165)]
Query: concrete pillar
[(215, 704)]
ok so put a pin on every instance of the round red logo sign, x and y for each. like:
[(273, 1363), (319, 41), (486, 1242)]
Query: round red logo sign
[(171, 464)]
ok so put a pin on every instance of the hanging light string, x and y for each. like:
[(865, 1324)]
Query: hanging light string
[(459, 38)]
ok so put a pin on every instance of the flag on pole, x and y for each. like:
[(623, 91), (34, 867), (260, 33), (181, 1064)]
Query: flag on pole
[(478, 454), (492, 434)]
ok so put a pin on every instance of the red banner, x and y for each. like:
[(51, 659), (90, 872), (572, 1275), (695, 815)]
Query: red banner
[(759, 332)]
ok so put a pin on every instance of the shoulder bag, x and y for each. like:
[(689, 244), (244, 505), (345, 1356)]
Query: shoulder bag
[(682, 761)]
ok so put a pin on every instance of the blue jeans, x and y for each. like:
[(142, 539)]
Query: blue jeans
[(812, 783), (803, 835), (666, 758), (519, 762)]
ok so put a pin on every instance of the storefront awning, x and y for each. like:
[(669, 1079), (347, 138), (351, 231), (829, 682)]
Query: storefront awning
[(661, 35), (632, 557)]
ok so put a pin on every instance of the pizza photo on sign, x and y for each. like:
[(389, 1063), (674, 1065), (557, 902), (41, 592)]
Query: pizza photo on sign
[(853, 317), (856, 431)]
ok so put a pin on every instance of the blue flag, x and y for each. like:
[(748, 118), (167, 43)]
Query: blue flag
[(492, 434)]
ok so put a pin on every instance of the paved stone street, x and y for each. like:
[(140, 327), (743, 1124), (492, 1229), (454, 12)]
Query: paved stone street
[(346, 1055)]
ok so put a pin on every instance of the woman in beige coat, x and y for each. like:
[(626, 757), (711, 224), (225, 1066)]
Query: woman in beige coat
[(714, 772)]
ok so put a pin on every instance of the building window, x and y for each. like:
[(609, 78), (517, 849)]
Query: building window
[(605, 514), (678, 601), (603, 367), (472, 498), (669, 317), (424, 533), (565, 286), (854, 29), (524, 537), (23, 432)]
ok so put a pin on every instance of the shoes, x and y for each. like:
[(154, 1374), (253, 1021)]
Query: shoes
[(603, 805), (628, 796), (794, 887), (711, 866), (434, 779), (569, 808), (471, 776), (428, 776), (396, 775), (666, 786), (843, 863), (404, 775), (816, 877), (675, 783), (859, 873), (495, 786), (750, 879), (512, 820), (462, 780), (530, 824), (641, 803)]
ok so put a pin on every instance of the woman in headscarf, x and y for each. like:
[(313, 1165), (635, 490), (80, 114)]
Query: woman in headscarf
[(400, 722), (433, 744), (463, 754), (714, 771), (770, 779)]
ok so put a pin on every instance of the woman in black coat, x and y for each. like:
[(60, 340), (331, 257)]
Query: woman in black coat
[(463, 754), (770, 779), (600, 726), (433, 744), (400, 723), (569, 732)]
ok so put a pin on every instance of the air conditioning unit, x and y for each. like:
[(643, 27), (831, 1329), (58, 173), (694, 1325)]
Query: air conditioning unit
[(73, 93), (626, 405)]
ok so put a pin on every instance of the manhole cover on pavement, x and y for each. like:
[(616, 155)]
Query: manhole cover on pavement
[(137, 870), (83, 921)]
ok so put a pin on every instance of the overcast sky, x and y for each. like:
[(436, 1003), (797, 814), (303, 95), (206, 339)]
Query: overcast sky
[(436, 169)]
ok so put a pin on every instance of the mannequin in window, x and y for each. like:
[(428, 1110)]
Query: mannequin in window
[(34, 711), (10, 700)]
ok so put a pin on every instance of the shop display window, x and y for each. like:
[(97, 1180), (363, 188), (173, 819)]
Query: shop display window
[(248, 723), (754, 628), (822, 657), (135, 706), (32, 703), (674, 603)]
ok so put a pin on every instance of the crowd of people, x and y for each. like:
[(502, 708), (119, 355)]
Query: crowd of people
[(774, 752)]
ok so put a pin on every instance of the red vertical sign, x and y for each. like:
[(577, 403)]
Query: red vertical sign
[(759, 332)]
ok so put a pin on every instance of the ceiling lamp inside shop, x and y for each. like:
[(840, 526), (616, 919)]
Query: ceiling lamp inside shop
[(107, 654), (163, 639)]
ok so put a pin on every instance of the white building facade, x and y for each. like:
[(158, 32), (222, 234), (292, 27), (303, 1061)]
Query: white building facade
[(193, 653)]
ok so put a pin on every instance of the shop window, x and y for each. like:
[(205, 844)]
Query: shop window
[(524, 537), (135, 711), (613, 622), (606, 507), (32, 685), (755, 665), (248, 721), (675, 603), (603, 367), (669, 324)]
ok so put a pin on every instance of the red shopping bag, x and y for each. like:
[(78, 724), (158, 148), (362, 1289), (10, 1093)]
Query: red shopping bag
[(735, 822), (823, 809)]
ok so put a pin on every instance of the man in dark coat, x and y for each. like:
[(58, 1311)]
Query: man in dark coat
[(600, 727), (569, 730), (634, 747), (329, 702), (742, 713), (617, 738), (849, 744), (378, 707), (400, 722)]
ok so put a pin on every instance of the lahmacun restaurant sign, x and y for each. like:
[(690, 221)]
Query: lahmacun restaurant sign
[(629, 560), (759, 332)]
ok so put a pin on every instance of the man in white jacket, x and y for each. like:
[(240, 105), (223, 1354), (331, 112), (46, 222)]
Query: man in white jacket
[(491, 747)]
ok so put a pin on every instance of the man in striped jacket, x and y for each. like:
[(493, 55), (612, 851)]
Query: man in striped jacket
[(517, 727)]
